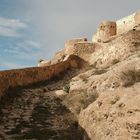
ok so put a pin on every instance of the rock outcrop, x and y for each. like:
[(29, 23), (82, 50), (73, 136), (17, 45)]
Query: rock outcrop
[(116, 49), (128, 23), (105, 96), (43, 63), (115, 115)]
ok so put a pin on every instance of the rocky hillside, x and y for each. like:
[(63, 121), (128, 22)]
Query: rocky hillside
[(105, 96), (37, 113)]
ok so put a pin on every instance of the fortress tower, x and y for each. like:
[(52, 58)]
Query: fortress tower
[(105, 30)]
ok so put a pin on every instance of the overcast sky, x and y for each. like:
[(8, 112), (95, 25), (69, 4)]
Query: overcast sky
[(35, 29)]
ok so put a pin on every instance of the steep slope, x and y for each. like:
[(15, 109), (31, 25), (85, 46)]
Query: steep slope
[(106, 97), (115, 115)]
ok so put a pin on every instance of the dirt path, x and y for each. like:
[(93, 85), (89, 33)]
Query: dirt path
[(36, 113)]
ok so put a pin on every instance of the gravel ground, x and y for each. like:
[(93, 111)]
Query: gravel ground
[(36, 113)]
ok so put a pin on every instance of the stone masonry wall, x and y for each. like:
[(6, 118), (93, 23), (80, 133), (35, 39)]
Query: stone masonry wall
[(128, 23), (23, 77), (80, 47), (74, 41)]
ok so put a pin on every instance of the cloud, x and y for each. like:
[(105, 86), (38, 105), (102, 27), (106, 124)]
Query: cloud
[(7, 32), (13, 23), (21, 54), (33, 43), (10, 27), (27, 49)]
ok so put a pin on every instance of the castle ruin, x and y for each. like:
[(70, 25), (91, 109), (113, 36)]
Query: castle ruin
[(84, 48), (108, 29)]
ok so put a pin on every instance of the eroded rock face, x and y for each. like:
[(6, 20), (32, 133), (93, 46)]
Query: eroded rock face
[(127, 23), (114, 115), (121, 74), (58, 57), (117, 49), (106, 96), (86, 87)]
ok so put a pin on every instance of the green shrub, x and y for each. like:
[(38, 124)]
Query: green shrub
[(83, 77), (79, 100), (66, 88)]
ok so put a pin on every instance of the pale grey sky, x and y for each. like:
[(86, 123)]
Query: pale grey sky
[(35, 29)]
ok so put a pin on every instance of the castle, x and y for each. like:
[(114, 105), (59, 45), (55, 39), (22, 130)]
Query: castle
[(108, 29), (84, 48)]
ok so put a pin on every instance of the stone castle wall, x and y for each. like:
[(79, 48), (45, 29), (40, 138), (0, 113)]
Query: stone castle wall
[(80, 47), (75, 41), (22, 77), (128, 23)]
